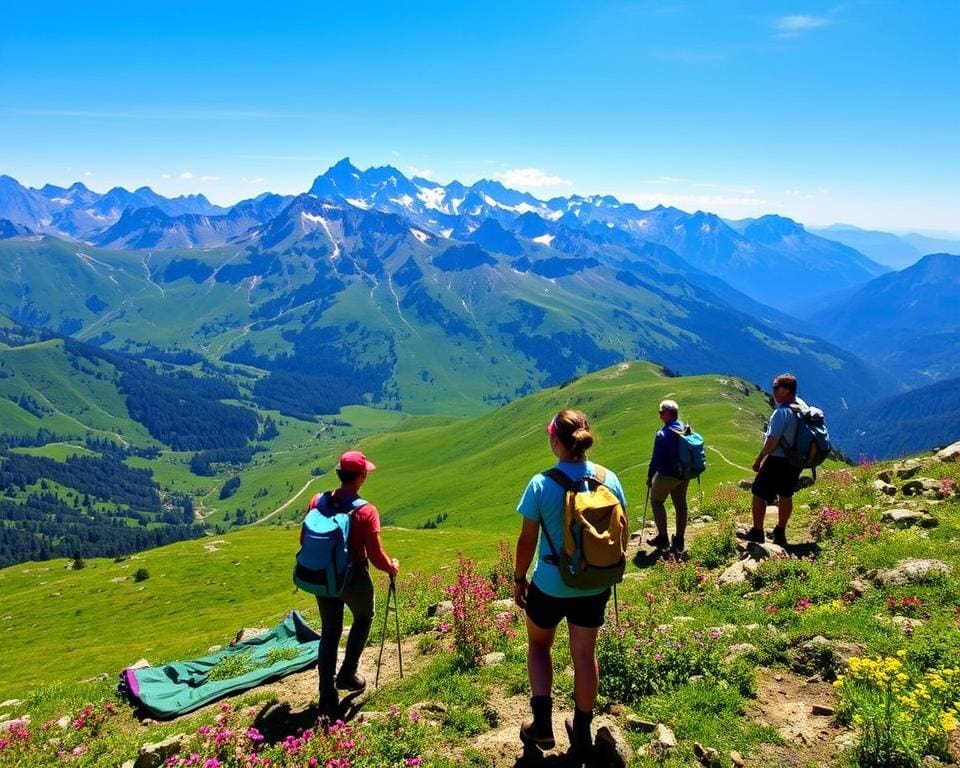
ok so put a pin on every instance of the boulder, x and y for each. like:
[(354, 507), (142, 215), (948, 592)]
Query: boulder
[(738, 573), (920, 485), (885, 476), (907, 518), (950, 453), (907, 469), (911, 571), (736, 759), (493, 658), (745, 485), (886, 488), (441, 610), (156, 754), (759, 551), (664, 742), (706, 756), (247, 633), (635, 723), (611, 747)]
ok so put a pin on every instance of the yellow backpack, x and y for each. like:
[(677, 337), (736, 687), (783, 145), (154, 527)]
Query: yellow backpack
[(594, 532)]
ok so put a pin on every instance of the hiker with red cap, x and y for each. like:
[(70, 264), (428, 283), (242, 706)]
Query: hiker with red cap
[(365, 547)]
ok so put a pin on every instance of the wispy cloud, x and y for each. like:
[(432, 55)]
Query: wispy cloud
[(209, 178), (186, 175), (724, 204), (527, 178), (794, 26), (423, 173)]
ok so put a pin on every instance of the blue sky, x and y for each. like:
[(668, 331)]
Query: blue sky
[(825, 112)]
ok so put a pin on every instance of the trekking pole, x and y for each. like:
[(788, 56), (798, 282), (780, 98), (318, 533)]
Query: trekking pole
[(391, 594), (396, 618), (643, 520)]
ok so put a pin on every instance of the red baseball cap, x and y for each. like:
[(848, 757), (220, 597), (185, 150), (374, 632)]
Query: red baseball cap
[(354, 461)]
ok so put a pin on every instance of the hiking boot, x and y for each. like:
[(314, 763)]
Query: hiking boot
[(328, 711), (753, 534), (578, 731), (780, 536), (539, 732), (660, 541), (352, 682), (676, 546)]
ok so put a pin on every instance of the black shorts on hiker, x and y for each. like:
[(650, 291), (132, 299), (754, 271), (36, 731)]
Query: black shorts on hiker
[(546, 611), (777, 477)]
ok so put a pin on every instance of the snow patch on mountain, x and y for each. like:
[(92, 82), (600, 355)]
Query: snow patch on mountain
[(544, 239)]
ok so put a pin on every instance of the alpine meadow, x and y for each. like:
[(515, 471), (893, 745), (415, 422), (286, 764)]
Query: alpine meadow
[(622, 336)]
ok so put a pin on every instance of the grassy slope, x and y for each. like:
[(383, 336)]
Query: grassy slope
[(473, 469), (66, 625)]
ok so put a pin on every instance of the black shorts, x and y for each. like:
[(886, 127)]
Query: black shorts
[(777, 477), (546, 611)]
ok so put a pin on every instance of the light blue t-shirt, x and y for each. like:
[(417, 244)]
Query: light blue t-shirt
[(783, 425), (542, 500)]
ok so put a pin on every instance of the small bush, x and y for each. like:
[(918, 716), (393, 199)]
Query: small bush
[(141, 574), (713, 550)]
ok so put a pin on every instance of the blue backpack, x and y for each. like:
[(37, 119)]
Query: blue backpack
[(811, 441), (324, 562), (691, 455)]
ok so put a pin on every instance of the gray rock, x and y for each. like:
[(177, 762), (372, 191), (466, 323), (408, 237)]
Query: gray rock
[(845, 741), (814, 656), (738, 573), (886, 476), (911, 571), (907, 518), (154, 755), (611, 747), (635, 723), (859, 586), (950, 453), (759, 551), (824, 710), (247, 633), (493, 658), (664, 742), (907, 469), (737, 759), (887, 488), (441, 610), (703, 519), (906, 623), (920, 485), (745, 485), (707, 756)]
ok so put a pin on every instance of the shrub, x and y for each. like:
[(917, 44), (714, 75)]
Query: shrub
[(713, 550), (472, 628), (141, 574), (843, 525), (900, 714)]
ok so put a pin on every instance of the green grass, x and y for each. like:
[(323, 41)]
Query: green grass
[(67, 625)]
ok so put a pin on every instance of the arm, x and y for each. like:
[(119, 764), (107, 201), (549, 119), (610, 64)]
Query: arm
[(526, 548), (769, 446), (656, 457), (374, 547)]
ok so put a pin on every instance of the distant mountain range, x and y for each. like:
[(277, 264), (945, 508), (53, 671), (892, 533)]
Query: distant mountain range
[(894, 251), (448, 298), (750, 255), (906, 322)]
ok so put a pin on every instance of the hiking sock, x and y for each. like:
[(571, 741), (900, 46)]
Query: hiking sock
[(540, 731)]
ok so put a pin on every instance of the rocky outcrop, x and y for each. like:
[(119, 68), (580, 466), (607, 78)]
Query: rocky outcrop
[(912, 571)]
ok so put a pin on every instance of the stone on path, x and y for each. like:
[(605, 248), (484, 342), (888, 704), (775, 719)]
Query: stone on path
[(907, 518), (911, 571), (884, 487), (707, 756), (611, 747), (662, 745), (156, 754)]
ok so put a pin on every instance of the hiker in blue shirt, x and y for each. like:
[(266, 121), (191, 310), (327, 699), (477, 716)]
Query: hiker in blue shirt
[(776, 477), (663, 479), (547, 599)]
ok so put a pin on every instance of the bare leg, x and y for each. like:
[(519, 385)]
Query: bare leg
[(539, 661)]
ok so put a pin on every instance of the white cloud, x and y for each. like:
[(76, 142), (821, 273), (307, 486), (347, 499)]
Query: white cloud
[(88, 174), (186, 175), (531, 177), (209, 178), (165, 176), (792, 26), (423, 173)]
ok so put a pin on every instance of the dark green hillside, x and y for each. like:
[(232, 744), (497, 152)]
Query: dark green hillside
[(904, 424)]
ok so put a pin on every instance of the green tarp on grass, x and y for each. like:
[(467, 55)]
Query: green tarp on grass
[(182, 686)]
